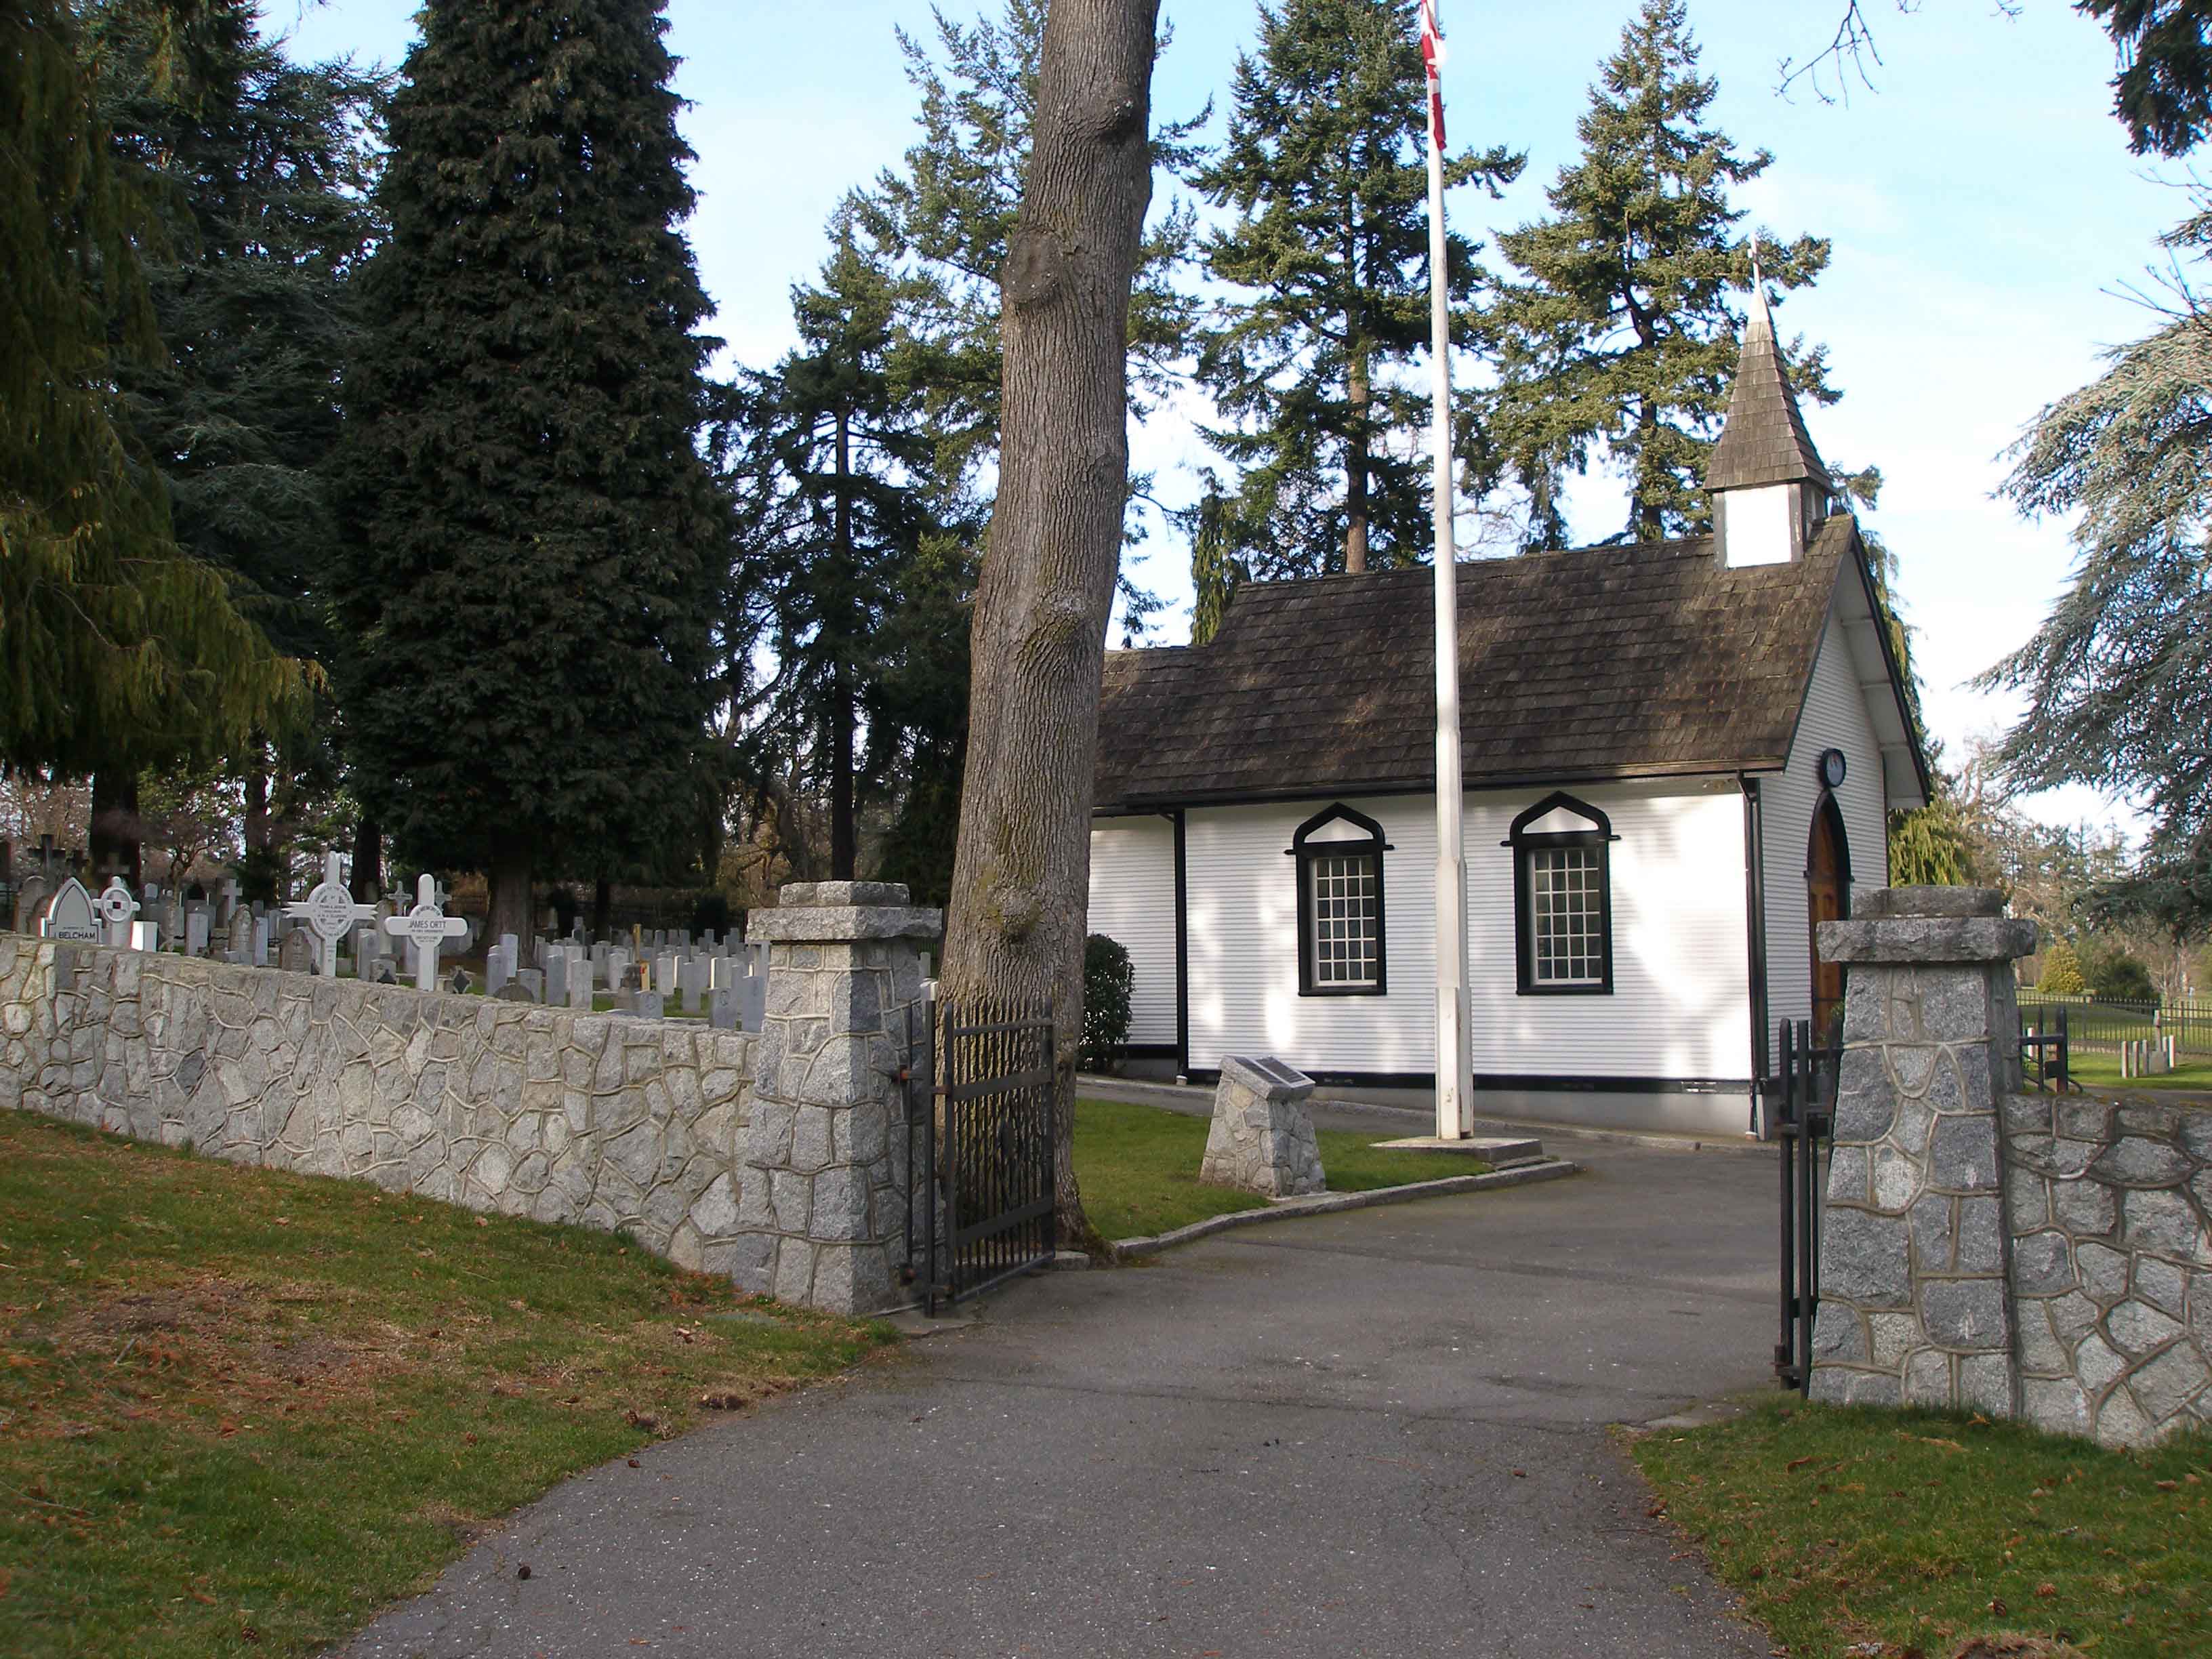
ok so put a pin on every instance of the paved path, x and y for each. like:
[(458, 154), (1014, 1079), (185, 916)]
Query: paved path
[(1378, 1433)]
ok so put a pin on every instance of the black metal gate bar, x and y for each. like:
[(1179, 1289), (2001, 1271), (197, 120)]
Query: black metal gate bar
[(992, 1156), (1807, 1122)]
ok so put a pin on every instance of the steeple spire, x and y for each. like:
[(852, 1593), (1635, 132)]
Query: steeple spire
[(1768, 484), (1764, 441)]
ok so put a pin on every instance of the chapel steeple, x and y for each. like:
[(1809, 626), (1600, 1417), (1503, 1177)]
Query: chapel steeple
[(1769, 488)]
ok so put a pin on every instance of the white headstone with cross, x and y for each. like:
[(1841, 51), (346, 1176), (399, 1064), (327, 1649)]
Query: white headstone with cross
[(329, 911), (426, 927), (116, 909)]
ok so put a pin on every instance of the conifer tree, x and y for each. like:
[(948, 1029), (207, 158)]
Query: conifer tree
[(541, 542), (1619, 342), (115, 646), (847, 510), (258, 170), (1325, 170)]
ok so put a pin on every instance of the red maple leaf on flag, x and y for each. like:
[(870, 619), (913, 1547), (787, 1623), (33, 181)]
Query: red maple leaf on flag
[(1432, 54)]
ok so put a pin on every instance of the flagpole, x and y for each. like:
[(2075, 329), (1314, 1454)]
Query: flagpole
[(1455, 1110)]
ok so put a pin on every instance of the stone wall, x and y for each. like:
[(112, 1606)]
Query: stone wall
[(609, 1121), (2111, 1211), (1989, 1250)]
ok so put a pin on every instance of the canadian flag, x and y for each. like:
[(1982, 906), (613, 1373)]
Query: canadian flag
[(1432, 54)]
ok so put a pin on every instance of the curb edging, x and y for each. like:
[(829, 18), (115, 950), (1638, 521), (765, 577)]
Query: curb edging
[(1127, 1250)]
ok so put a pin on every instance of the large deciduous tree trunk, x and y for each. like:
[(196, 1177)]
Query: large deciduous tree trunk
[(1021, 876), (367, 858), (115, 837), (511, 874)]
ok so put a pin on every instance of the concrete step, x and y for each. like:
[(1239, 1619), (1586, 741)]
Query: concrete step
[(1496, 1151)]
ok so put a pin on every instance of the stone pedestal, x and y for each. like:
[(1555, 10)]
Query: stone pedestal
[(1915, 1301), (1262, 1139), (822, 1206)]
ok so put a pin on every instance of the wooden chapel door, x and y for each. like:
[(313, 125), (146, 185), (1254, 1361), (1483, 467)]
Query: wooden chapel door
[(1827, 891)]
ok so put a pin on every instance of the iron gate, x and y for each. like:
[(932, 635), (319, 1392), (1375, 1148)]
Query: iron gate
[(987, 1134), (1807, 1122)]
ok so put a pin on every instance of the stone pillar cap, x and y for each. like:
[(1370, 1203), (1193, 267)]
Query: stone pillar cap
[(826, 912), (795, 894), (1891, 903), (1930, 940)]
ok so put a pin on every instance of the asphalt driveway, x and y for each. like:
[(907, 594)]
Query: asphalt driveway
[(1376, 1433)]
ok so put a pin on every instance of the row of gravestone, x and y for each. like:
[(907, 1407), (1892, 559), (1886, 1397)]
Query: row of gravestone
[(730, 990), (726, 983)]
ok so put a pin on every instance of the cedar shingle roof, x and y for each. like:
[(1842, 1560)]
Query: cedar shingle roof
[(1764, 441), (1604, 662)]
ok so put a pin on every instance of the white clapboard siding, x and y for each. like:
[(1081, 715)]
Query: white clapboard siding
[(1835, 717), (1132, 903), (1681, 997)]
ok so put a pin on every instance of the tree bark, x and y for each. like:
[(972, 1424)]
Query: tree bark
[(844, 839), (1021, 876), (512, 870), (114, 836), (1355, 466), (368, 859)]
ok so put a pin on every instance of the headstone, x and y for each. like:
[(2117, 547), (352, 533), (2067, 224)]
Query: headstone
[(426, 927), (239, 941), (579, 982), (722, 1009), (145, 936), (264, 931), (72, 916), (30, 900), (513, 991), (691, 985), (647, 1004), (198, 930), (116, 909), (556, 975), (460, 984), (329, 913), (1263, 1137), (533, 981), (296, 955), (499, 968)]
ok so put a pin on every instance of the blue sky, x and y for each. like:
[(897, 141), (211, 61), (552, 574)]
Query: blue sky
[(1989, 225)]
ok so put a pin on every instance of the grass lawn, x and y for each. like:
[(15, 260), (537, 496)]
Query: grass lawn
[(240, 1411), (1138, 1168), (1881, 1534), (2103, 1072)]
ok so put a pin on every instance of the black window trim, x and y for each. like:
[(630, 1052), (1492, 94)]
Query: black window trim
[(1524, 922), (1305, 851)]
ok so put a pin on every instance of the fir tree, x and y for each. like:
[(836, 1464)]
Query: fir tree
[(2118, 679), (115, 646), (848, 500), (258, 170), (1325, 169), (540, 540), (1620, 340)]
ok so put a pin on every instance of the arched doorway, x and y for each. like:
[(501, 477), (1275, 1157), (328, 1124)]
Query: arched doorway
[(1827, 898)]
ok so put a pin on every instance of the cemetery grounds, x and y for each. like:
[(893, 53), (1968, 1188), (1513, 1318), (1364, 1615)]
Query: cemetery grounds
[(240, 1411)]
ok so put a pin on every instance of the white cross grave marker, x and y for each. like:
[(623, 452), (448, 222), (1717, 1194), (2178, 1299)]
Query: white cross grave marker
[(426, 927), (116, 908), (329, 911)]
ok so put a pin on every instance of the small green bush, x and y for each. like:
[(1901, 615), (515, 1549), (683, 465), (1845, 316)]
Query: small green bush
[(2115, 972), (1109, 981), (2061, 972)]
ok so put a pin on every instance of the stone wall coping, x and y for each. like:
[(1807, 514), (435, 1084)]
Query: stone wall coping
[(1894, 903), (798, 894), (1907, 940), (825, 924)]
